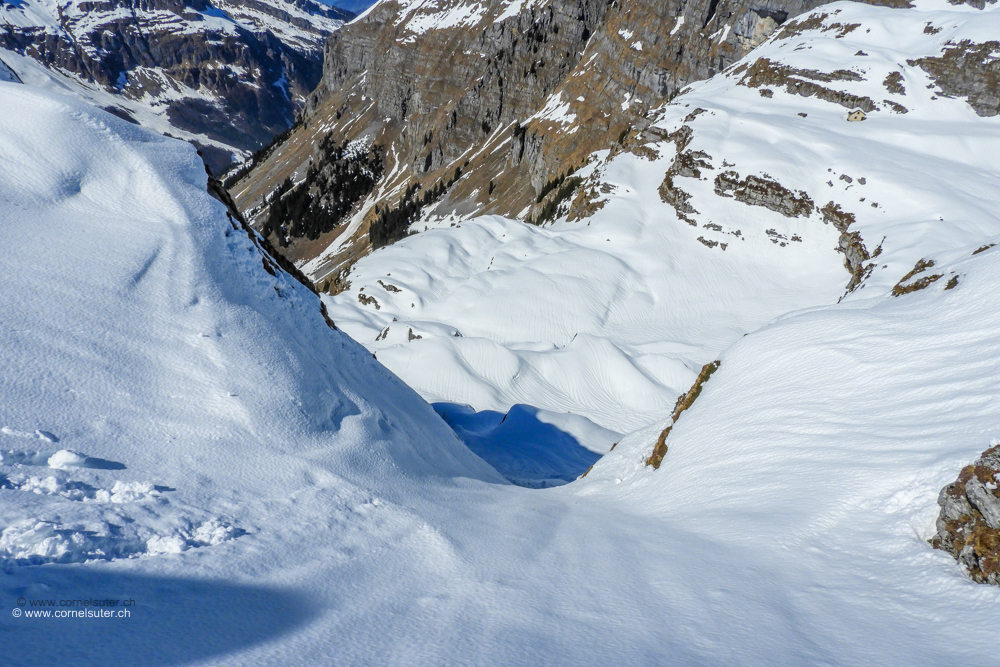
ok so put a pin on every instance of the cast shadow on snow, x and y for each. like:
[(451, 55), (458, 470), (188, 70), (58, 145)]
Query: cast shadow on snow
[(522, 448), (102, 464), (174, 621), (64, 460)]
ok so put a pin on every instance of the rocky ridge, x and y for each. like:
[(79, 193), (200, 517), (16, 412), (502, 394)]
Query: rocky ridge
[(229, 75), (515, 94)]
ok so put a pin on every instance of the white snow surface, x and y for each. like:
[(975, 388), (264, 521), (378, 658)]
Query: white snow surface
[(419, 16), (611, 317), (7, 74), (267, 494)]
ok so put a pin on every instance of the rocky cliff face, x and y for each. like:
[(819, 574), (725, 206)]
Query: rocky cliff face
[(492, 107), (514, 95), (231, 72)]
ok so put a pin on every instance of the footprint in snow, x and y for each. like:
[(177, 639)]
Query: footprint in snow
[(40, 435)]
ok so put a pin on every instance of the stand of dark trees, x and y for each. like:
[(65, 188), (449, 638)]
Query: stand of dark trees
[(335, 182), (392, 224)]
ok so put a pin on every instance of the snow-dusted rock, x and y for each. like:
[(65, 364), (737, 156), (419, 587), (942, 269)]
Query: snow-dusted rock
[(969, 524)]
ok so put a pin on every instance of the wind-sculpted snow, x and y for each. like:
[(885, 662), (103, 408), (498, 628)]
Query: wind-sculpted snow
[(609, 321), (152, 353), (740, 203), (181, 427)]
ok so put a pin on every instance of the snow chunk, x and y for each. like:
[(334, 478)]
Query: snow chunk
[(172, 544), (677, 26), (129, 492), (65, 459)]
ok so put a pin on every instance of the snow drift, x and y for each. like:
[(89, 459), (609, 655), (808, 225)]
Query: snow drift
[(186, 427), (144, 333)]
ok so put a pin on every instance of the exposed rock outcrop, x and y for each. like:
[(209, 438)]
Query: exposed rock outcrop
[(904, 286), (968, 526), (802, 82), (684, 401), (850, 243), (968, 70), (766, 192), (687, 164)]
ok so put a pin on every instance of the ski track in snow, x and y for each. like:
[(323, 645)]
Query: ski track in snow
[(283, 499)]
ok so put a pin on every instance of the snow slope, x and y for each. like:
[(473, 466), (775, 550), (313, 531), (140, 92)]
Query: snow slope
[(147, 113), (161, 391), (267, 494), (7, 74), (816, 453), (612, 315)]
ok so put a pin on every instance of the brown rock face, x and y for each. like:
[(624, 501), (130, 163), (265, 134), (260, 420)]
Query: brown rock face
[(493, 92), (684, 401), (969, 524), (687, 164), (762, 191), (968, 70), (802, 82)]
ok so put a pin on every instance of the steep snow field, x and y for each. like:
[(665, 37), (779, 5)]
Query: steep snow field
[(181, 427), (611, 317), (141, 329)]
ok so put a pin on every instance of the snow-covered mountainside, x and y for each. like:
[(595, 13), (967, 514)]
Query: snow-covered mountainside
[(182, 427), (228, 75), (464, 87), (743, 200), (183, 430)]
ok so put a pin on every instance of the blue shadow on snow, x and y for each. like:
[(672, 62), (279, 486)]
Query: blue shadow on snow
[(522, 448), (174, 621)]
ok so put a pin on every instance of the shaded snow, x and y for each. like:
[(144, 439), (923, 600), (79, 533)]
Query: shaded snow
[(153, 346)]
